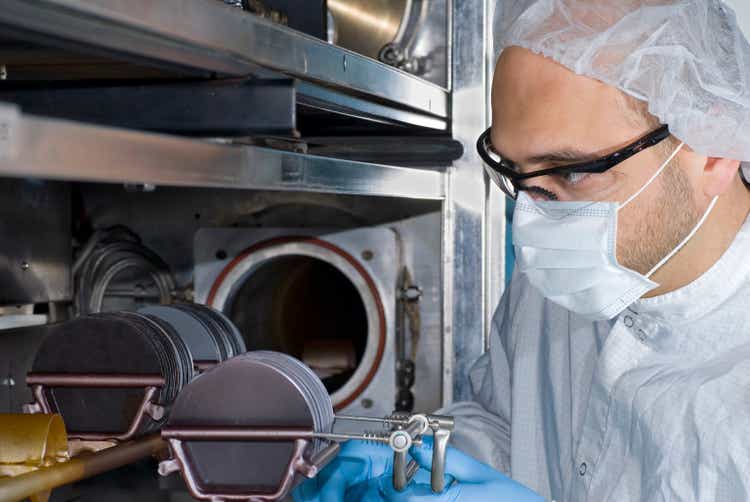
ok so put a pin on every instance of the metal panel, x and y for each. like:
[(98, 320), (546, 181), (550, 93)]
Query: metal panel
[(496, 254), (167, 217), (464, 209), (35, 232), (227, 107), (18, 348), (420, 243), (430, 45), (495, 212), (58, 149), (378, 243), (327, 99), (235, 107), (184, 34)]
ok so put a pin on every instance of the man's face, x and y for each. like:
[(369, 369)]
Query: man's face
[(544, 115)]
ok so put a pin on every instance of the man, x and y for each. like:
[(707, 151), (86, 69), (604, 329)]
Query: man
[(619, 366)]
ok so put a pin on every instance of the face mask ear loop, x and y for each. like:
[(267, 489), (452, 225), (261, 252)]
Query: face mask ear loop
[(686, 239), (652, 178)]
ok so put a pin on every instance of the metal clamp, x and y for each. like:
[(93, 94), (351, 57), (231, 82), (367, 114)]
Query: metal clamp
[(298, 463), (407, 430), (442, 427), (404, 432), (148, 407)]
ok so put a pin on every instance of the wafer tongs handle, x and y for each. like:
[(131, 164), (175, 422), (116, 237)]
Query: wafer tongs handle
[(319, 461), (401, 441), (410, 431), (442, 427)]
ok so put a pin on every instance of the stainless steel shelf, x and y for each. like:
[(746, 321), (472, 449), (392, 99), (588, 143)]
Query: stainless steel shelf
[(34, 147), (208, 36)]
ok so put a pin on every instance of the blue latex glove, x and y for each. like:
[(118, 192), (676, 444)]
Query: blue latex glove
[(356, 464), (467, 480)]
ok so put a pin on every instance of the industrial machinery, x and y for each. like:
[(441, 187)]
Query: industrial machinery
[(346, 333), (277, 432), (387, 30), (183, 181), (114, 376), (120, 376)]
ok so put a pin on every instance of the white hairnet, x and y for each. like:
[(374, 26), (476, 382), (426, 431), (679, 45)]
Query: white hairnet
[(687, 58)]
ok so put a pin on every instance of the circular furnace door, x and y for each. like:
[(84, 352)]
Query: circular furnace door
[(312, 300)]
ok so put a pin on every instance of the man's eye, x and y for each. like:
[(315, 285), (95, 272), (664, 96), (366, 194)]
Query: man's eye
[(574, 178)]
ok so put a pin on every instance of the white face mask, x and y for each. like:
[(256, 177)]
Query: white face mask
[(568, 250)]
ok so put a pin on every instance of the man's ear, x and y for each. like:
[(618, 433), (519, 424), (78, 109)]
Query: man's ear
[(718, 175)]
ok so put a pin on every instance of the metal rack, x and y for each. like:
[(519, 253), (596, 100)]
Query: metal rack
[(58, 149), (182, 35), (203, 38)]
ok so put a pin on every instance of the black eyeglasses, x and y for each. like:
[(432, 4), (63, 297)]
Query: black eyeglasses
[(507, 176)]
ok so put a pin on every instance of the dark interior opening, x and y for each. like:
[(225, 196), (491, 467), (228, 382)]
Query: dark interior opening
[(307, 308)]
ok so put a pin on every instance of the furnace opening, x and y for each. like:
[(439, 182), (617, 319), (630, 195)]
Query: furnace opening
[(307, 308)]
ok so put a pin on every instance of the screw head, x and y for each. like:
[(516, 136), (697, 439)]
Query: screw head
[(400, 441)]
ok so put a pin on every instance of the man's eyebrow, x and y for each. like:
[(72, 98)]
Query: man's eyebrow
[(568, 156), (572, 156)]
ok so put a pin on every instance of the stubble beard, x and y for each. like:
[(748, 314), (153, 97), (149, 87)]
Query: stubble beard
[(664, 225)]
